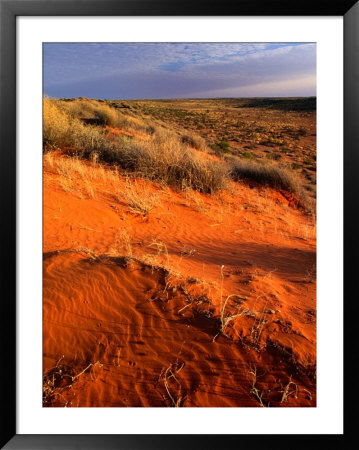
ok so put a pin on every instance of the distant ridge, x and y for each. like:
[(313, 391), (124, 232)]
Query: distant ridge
[(283, 104)]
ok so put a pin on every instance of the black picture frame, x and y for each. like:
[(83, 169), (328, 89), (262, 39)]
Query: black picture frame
[(9, 10)]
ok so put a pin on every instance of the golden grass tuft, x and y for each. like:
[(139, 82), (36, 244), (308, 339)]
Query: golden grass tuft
[(194, 140), (139, 198)]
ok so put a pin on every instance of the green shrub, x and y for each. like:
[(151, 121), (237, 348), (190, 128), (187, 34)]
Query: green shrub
[(221, 147), (302, 132), (248, 155)]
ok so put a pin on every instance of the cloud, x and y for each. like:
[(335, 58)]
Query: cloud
[(175, 69), (294, 87)]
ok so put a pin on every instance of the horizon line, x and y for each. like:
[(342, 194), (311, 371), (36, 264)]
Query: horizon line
[(181, 98)]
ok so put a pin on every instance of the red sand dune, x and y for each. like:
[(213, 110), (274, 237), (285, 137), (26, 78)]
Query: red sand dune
[(144, 329)]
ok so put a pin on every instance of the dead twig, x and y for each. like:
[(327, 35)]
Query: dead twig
[(169, 373), (287, 392), (254, 390)]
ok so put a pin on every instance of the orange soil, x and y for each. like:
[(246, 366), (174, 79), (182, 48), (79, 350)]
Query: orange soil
[(144, 330), (113, 132)]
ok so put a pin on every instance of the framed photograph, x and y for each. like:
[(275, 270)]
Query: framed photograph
[(174, 179)]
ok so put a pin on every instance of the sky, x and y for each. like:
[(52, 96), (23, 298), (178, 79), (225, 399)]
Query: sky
[(179, 70)]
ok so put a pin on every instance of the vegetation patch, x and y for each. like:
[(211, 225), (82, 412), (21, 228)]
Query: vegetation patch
[(270, 175), (161, 155), (287, 104), (195, 141), (164, 157), (221, 147)]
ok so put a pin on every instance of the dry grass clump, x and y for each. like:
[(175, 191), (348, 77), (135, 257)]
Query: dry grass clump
[(60, 130), (89, 109), (195, 141), (271, 175), (131, 123), (165, 159), (73, 169), (79, 108), (140, 200), (56, 126), (104, 115)]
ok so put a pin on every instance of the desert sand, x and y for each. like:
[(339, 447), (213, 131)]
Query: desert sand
[(195, 300)]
